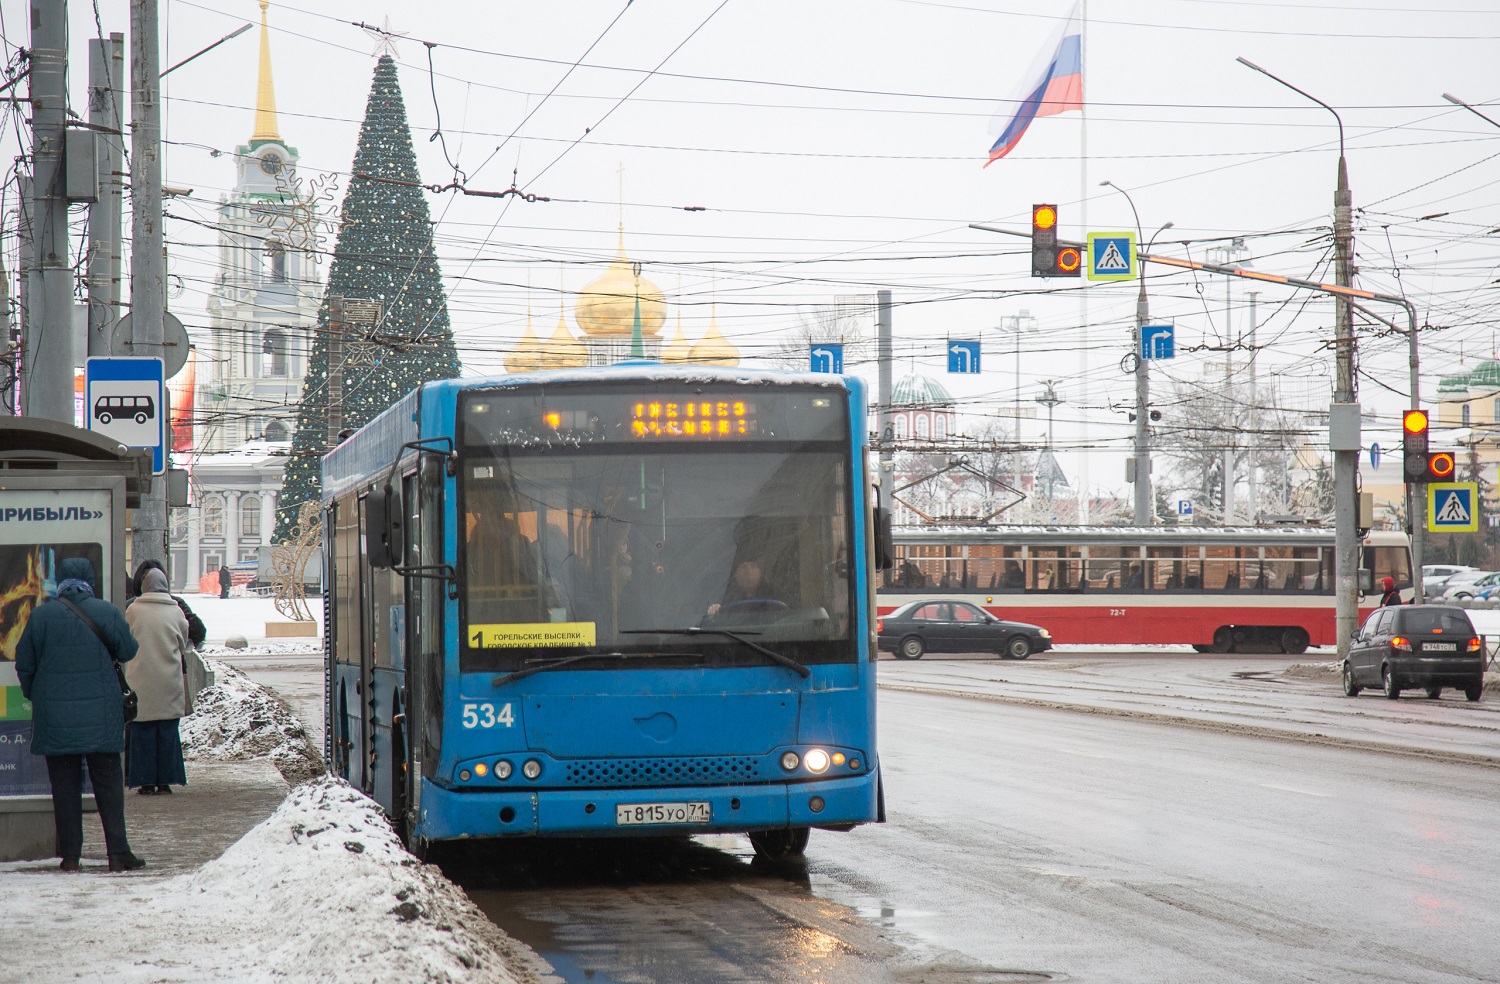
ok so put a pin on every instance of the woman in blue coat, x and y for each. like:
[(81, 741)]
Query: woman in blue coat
[(76, 712)]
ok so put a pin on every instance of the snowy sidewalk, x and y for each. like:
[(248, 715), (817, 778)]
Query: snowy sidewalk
[(247, 883)]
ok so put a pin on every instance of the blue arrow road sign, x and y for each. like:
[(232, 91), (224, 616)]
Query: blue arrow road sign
[(124, 401), (1375, 456), (963, 356), (827, 357), (1158, 342)]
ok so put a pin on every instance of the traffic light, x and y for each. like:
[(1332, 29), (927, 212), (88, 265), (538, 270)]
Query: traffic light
[(1048, 259), (1414, 445), (1440, 467)]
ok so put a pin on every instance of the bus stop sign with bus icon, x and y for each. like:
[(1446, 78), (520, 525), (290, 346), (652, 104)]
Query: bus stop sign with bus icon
[(124, 400)]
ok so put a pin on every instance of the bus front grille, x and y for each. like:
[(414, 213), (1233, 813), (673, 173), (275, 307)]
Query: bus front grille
[(662, 771)]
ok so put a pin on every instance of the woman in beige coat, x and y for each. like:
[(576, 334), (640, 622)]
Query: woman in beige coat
[(156, 674)]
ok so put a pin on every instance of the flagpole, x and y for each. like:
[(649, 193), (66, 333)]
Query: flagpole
[(1083, 207)]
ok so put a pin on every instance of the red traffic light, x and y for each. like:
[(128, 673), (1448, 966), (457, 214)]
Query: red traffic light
[(1069, 260), (1440, 466)]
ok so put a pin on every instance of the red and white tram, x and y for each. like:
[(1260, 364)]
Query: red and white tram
[(1218, 590)]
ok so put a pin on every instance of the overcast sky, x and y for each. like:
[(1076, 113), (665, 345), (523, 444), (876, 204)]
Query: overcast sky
[(836, 148)]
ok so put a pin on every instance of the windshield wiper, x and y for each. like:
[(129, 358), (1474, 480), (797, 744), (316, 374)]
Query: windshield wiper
[(541, 666), (739, 637)]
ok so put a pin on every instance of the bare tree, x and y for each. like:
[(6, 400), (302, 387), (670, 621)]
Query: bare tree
[(848, 322)]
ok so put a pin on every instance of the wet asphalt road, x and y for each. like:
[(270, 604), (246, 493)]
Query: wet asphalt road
[(1076, 817)]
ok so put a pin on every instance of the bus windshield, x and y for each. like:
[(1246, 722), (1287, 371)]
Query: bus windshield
[(572, 550)]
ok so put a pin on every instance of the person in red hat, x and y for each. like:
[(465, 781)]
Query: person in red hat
[(1391, 596)]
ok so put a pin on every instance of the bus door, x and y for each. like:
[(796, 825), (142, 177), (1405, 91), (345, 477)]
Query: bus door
[(419, 722), (384, 676), (346, 719)]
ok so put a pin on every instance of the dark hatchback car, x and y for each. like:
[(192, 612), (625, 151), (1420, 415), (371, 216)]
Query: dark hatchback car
[(1418, 647), (944, 626)]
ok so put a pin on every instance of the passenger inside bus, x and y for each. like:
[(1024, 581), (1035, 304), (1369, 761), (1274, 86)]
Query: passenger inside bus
[(1014, 578), (1134, 579)]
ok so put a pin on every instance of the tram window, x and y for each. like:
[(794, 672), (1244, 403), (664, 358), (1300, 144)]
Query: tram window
[(1389, 561), (1231, 568), (995, 567), (1165, 568), (1109, 567)]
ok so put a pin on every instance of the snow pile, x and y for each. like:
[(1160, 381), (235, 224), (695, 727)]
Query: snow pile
[(1312, 671), (323, 891), (306, 647), (237, 719)]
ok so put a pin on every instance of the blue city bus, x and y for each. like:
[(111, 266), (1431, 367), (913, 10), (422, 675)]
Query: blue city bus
[(630, 600)]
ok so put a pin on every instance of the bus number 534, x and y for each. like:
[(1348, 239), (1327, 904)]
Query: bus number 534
[(485, 716)]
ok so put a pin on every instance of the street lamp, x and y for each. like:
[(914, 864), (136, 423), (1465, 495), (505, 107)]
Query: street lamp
[(1343, 415), (1050, 400), (1145, 511)]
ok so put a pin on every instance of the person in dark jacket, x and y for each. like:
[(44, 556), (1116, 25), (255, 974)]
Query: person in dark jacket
[(1391, 596), (225, 580), (77, 715), (197, 632)]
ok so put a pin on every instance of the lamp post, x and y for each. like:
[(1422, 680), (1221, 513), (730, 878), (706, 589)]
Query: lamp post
[(1015, 323), (1050, 400), (1343, 415), (1145, 511)]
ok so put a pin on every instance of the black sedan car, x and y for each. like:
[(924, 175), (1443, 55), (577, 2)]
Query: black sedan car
[(946, 626), (1425, 647)]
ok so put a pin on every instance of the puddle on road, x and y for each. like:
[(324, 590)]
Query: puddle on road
[(688, 911)]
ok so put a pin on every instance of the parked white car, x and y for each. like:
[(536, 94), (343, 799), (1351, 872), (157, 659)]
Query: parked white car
[(1435, 575), (1464, 584)]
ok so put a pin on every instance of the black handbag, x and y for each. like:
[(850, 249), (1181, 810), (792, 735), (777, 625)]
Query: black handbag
[(131, 702)]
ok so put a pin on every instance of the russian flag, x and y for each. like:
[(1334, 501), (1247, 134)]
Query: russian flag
[(1055, 85)]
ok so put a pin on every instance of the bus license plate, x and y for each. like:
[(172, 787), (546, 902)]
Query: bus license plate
[(628, 814), (1439, 647)]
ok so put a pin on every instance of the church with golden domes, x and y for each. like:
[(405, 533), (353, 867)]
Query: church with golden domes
[(620, 316)]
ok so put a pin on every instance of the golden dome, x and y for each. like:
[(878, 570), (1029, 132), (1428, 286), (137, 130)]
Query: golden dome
[(523, 358), (607, 306), (562, 350), (713, 349), (677, 350)]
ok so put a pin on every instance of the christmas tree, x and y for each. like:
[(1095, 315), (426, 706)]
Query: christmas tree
[(384, 255)]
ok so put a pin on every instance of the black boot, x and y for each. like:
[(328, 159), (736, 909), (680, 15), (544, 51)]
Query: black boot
[(125, 862), (69, 864)]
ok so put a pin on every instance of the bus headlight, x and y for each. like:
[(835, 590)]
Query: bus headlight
[(789, 761), (531, 769), (816, 760), (502, 769)]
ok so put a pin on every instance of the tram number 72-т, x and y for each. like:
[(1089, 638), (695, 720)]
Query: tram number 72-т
[(628, 814)]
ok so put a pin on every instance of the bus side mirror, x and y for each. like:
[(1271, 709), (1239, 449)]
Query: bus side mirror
[(384, 542), (884, 559)]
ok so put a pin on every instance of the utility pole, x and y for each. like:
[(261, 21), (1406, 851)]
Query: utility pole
[(1254, 442), (1343, 415), (48, 346), (883, 420), (106, 79), (148, 294)]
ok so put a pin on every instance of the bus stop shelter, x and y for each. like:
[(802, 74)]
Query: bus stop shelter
[(64, 493)]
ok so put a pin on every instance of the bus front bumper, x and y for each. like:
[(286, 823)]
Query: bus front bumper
[(447, 814)]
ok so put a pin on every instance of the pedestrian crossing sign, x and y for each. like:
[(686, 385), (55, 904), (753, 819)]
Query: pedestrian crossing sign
[(1112, 256), (1452, 507)]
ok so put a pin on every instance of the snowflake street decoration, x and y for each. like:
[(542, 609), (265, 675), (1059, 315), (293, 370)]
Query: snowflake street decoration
[(296, 222), (289, 564)]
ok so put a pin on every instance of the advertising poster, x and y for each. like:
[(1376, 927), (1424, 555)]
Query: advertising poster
[(38, 530)]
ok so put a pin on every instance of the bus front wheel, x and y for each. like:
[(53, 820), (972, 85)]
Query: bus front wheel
[(779, 845)]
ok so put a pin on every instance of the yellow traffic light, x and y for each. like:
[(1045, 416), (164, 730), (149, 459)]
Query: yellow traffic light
[(1043, 216), (1414, 421)]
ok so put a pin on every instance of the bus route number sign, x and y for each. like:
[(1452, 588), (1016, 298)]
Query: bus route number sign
[(485, 715)]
